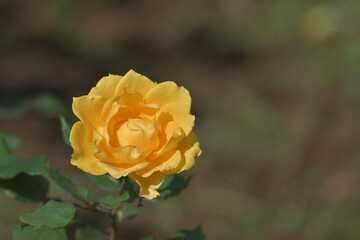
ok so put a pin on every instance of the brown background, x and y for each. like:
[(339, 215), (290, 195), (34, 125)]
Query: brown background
[(276, 93)]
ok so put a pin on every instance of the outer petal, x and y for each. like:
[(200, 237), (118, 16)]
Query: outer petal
[(123, 99), (106, 86), (165, 162), (170, 140), (190, 150), (82, 145), (88, 109), (134, 83), (149, 185), (166, 92), (181, 115), (118, 171), (147, 110), (123, 155)]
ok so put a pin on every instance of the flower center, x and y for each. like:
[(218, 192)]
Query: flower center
[(138, 132)]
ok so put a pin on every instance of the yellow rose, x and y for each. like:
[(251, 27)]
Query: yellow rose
[(131, 126)]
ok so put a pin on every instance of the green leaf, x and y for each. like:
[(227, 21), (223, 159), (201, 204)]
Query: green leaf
[(129, 211), (103, 181), (89, 233), (29, 233), (111, 202), (11, 165), (129, 187), (49, 104), (65, 129), (25, 188), (146, 238), (4, 149), (79, 192), (172, 186), (52, 215), (14, 110), (182, 234), (11, 141)]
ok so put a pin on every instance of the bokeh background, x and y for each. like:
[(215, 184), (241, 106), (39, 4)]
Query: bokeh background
[(276, 94)]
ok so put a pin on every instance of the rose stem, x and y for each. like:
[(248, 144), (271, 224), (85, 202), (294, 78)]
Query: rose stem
[(89, 208), (122, 184), (113, 213)]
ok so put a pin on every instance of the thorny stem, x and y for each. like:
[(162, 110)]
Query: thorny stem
[(122, 184), (114, 226), (140, 202), (113, 214), (88, 207)]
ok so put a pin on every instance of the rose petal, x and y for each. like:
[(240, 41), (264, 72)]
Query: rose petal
[(123, 155), (88, 109), (166, 92), (106, 86), (118, 171), (82, 156), (190, 149), (134, 83), (170, 140), (117, 116), (165, 162), (124, 99), (180, 114), (149, 185), (147, 111)]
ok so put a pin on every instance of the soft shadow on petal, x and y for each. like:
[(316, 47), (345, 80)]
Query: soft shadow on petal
[(170, 140), (106, 86), (147, 111), (134, 82), (120, 155), (190, 150), (166, 92), (165, 162), (149, 185), (82, 156), (117, 116), (124, 99), (88, 109), (121, 170), (181, 115), (123, 155)]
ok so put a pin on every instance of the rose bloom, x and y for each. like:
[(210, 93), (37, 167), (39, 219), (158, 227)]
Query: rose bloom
[(131, 126)]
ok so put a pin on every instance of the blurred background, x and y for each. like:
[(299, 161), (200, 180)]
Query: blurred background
[(276, 94)]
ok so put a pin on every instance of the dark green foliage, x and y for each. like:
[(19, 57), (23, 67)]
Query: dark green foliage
[(103, 181), (11, 165), (42, 233), (111, 202), (182, 234), (11, 141), (129, 186), (47, 104), (172, 186), (146, 238), (65, 129), (4, 149), (8, 142), (25, 188), (52, 215), (79, 192), (129, 211), (89, 233)]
